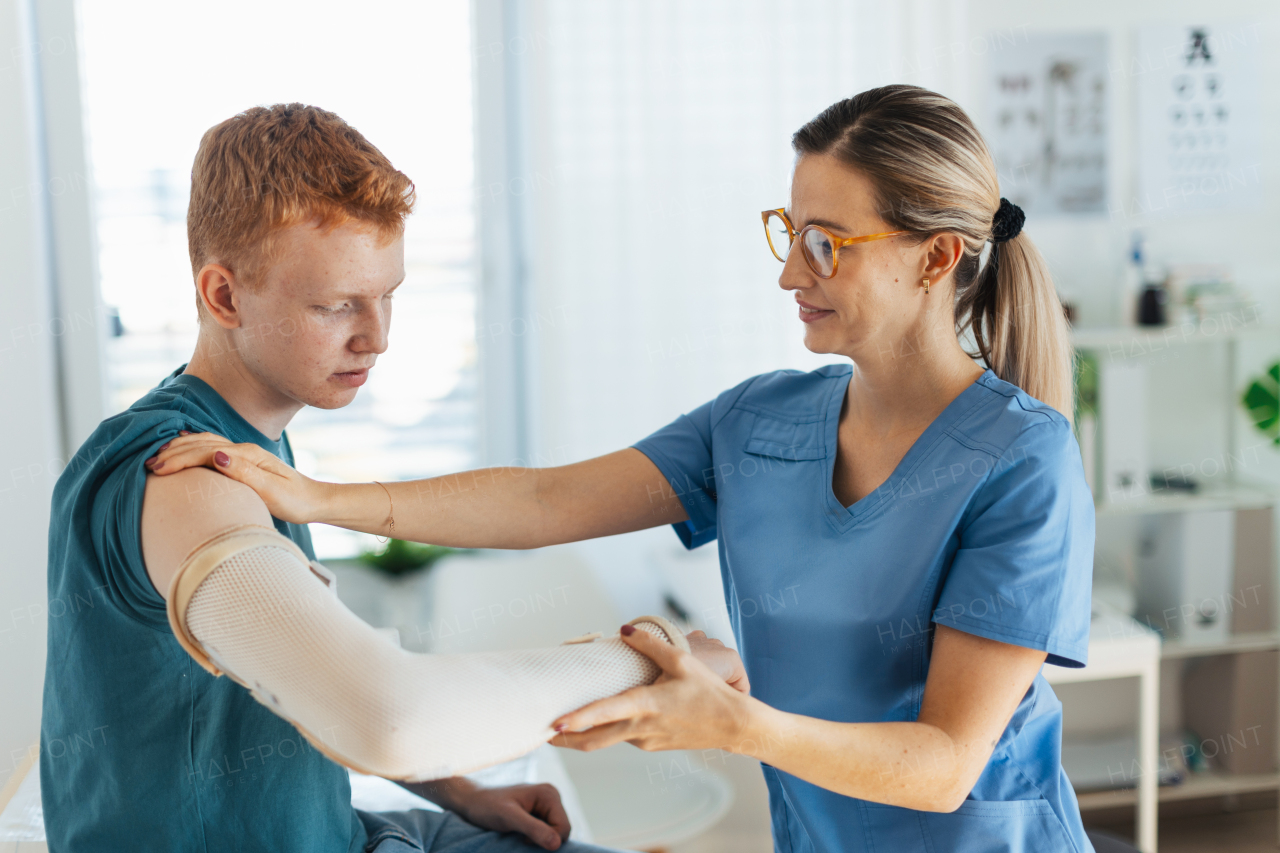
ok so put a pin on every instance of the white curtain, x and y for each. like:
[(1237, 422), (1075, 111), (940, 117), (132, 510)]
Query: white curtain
[(657, 132)]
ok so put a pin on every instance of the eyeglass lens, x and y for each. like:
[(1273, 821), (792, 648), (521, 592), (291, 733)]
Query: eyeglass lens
[(819, 252), (779, 236)]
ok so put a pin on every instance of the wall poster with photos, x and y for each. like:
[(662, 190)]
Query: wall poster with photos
[(1047, 122)]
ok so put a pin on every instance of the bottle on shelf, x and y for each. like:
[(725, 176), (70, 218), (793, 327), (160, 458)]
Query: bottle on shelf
[(1131, 286)]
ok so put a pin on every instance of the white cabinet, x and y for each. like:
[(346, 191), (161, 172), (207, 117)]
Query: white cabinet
[(1193, 539)]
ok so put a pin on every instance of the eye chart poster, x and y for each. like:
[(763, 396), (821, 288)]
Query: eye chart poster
[(1199, 117), (1047, 122)]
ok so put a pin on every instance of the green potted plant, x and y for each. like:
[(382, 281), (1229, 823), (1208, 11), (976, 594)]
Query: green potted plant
[(1262, 400), (398, 557), (389, 587)]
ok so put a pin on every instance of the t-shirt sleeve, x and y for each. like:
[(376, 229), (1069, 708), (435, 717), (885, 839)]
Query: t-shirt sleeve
[(682, 452), (117, 518), (1023, 573)]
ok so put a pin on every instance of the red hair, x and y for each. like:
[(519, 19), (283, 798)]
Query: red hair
[(272, 167)]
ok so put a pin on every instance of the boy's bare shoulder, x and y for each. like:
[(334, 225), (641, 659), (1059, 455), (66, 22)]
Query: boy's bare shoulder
[(179, 511)]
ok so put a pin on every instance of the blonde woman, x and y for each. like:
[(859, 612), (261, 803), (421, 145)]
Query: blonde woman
[(923, 515)]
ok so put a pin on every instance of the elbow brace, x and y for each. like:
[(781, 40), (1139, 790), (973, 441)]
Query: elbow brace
[(249, 604)]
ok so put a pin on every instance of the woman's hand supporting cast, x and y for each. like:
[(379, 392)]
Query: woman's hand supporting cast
[(973, 687)]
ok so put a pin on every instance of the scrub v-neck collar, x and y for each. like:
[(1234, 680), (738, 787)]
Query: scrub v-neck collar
[(845, 517)]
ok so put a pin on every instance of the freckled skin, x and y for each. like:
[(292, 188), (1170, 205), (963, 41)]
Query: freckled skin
[(875, 293), (907, 361), (328, 310), (323, 308)]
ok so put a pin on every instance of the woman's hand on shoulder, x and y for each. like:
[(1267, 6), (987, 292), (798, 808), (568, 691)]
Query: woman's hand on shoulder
[(288, 495)]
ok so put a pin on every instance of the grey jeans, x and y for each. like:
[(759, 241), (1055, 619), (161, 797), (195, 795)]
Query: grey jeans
[(421, 831)]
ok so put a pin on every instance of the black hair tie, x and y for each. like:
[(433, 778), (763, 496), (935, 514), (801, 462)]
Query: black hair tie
[(1007, 223)]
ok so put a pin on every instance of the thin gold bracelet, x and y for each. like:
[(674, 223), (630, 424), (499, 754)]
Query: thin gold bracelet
[(391, 518)]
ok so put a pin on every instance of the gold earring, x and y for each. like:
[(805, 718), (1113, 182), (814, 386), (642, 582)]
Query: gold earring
[(926, 285)]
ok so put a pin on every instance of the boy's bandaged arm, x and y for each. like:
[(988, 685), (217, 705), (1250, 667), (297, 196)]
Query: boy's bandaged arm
[(247, 603)]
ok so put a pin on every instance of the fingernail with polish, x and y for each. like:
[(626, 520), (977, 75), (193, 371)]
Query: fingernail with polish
[(150, 462), (164, 446), (183, 432), (560, 727), (222, 459), (628, 630)]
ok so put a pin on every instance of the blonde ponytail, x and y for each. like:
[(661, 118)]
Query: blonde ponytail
[(1016, 319), (934, 174)]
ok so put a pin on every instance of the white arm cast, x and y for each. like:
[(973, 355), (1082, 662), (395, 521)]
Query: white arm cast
[(248, 604)]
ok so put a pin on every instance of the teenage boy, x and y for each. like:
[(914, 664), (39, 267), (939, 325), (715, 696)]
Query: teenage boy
[(295, 230)]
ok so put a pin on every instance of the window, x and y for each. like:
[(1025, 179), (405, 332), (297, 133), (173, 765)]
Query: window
[(158, 74)]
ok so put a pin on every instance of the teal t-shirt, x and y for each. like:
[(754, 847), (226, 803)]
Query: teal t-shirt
[(140, 748)]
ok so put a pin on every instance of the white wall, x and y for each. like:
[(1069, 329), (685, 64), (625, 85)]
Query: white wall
[(678, 114), (29, 429), (1188, 399), (658, 132), (1087, 255)]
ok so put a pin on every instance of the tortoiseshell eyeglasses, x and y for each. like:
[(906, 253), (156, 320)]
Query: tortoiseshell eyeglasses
[(820, 247)]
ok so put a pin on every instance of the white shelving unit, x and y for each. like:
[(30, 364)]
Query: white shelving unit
[(1262, 641), (1120, 339), (1119, 647), (1234, 494), (1198, 786)]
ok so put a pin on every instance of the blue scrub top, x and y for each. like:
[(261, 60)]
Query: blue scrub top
[(986, 525)]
